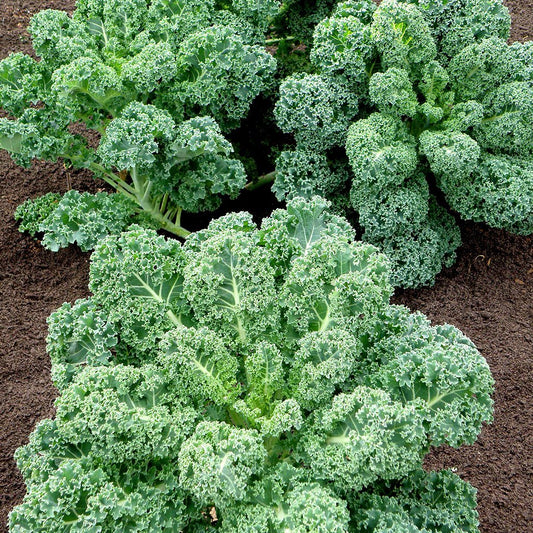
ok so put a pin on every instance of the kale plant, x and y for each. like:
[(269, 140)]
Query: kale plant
[(432, 106), (251, 380), (141, 93)]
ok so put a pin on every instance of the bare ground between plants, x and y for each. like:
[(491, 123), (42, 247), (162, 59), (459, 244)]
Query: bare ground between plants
[(488, 294)]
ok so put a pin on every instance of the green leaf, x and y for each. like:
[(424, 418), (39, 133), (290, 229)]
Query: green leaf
[(341, 434), (96, 26), (168, 292), (11, 143), (198, 360), (229, 290), (10, 77), (309, 227), (264, 371), (79, 349), (180, 154), (227, 475), (204, 367)]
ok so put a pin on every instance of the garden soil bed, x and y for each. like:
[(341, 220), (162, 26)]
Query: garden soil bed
[(488, 294)]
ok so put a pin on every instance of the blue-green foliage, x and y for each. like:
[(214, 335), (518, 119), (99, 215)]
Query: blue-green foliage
[(257, 373), (409, 507), (31, 213), (79, 218), (316, 108), (135, 73), (441, 95)]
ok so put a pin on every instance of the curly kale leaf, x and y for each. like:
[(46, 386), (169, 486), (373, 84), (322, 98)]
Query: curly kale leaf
[(84, 219), (316, 109), (218, 74), (32, 213)]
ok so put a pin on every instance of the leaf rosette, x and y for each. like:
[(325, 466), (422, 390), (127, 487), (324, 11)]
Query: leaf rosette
[(281, 390)]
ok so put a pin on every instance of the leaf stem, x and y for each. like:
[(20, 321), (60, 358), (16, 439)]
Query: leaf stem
[(142, 196), (260, 181), (112, 179), (280, 39)]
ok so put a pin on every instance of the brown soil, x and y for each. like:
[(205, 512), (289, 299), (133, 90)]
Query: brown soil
[(487, 294)]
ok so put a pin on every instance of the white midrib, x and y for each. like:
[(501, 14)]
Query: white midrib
[(173, 318)]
